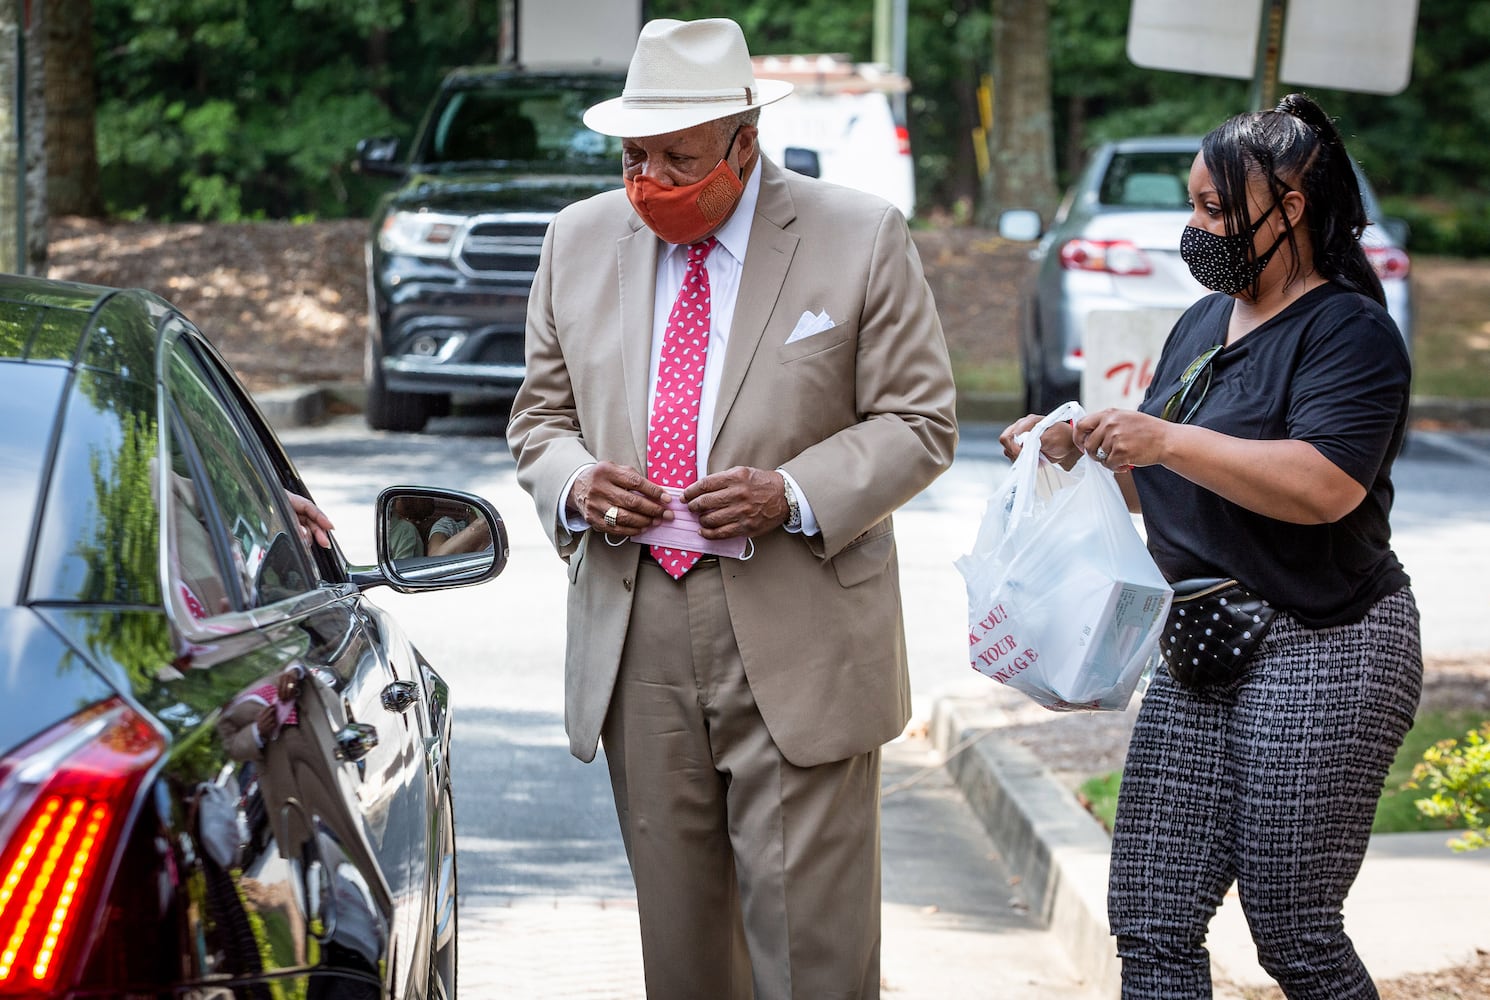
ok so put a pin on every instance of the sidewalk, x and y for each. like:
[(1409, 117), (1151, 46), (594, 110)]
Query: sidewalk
[(1416, 907), (956, 919)]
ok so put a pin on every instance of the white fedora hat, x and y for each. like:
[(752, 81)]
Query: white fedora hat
[(684, 73)]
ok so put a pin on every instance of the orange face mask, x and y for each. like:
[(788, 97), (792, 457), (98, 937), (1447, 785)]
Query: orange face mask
[(686, 214)]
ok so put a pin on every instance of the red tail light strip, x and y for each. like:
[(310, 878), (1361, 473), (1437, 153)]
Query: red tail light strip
[(1121, 257), (54, 859), (1389, 262)]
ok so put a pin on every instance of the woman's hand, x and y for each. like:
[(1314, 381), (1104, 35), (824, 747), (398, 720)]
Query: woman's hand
[(1122, 439)]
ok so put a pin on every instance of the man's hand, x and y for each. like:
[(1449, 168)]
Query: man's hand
[(311, 520), (638, 504), (1056, 443), (739, 501)]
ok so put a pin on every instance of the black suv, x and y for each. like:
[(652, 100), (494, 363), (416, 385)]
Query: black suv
[(452, 251)]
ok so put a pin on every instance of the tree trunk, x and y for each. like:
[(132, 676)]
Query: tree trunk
[(1021, 143), (1075, 135), (37, 217), (11, 213), (71, 139)]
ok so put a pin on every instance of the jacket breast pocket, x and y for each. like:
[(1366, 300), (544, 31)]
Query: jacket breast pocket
[(866, 556), (826, 340)]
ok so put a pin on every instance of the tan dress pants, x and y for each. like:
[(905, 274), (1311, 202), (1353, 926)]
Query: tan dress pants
[(753, 877)]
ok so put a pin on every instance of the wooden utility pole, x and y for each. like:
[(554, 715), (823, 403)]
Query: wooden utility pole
[(1269, 54)]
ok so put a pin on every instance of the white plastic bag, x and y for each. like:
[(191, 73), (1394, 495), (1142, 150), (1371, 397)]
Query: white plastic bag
[(1064, 601)]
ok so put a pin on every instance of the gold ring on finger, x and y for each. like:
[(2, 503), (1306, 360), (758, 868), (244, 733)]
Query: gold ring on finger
[(611, 515)]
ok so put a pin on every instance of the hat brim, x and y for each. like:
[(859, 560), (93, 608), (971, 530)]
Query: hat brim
[(613, 117)]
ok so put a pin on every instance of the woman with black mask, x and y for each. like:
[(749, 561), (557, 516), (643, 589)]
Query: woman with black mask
[(1261, 461)]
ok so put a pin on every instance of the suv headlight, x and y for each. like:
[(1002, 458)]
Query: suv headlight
[(420, 234)]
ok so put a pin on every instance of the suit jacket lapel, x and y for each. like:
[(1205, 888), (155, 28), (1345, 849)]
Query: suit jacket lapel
[(767, 258), (637, 264)]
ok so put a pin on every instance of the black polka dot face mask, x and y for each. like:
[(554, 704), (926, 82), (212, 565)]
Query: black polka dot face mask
[(1221, 263)]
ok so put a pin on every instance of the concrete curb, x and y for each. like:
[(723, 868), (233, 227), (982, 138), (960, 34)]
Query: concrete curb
[(1058, 850), (305, 405)]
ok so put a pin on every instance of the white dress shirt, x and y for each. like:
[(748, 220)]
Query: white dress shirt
[(724, 264)]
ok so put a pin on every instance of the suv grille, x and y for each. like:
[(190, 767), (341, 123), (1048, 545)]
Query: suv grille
[(503, 246)]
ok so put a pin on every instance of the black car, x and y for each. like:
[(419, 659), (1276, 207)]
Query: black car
[(452, 251), (223, 771)]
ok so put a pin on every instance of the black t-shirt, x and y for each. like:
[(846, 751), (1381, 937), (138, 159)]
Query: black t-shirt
[(1330, 369)]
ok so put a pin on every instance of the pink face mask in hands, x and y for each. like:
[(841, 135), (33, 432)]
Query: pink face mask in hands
[(682, 533)]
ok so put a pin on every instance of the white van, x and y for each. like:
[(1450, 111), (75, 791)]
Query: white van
[(838, 125)]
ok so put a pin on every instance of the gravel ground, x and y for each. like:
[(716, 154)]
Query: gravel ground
[(287, 303)]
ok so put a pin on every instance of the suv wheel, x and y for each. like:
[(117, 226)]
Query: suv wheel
[(387, 410)]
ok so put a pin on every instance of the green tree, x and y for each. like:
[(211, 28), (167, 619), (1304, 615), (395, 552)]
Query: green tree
[(226, 110)]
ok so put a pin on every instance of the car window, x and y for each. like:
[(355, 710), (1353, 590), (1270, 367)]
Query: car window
[(1147, 180), (99, 540), (199, 586), (222, 493), (517, 125)]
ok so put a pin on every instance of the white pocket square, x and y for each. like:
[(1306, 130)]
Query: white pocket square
[(810, 325)]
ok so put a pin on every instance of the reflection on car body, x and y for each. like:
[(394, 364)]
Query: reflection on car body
[(223, 771)]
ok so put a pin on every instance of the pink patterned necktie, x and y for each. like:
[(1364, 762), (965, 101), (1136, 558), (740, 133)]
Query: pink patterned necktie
[(672, 432)]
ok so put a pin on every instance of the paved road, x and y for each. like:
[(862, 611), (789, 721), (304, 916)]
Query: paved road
[(548, 908), (547, 903)]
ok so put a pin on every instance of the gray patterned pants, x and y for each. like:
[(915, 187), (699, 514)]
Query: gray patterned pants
[(1270, 782)]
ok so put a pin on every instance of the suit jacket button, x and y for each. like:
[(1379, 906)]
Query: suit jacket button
[(626, 582)]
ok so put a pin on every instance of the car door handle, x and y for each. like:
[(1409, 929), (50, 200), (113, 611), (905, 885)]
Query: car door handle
[(400, 696), (355, 740)]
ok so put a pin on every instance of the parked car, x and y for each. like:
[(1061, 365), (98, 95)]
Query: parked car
[(223, 771), (452, 251), (1114, 245)]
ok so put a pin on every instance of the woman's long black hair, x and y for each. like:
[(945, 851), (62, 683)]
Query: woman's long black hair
[(1296, 147)]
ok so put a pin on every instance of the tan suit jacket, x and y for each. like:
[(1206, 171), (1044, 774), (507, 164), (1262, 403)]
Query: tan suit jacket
[(861, 415)]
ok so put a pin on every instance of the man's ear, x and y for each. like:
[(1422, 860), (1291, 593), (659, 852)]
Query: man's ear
[(746, 149)]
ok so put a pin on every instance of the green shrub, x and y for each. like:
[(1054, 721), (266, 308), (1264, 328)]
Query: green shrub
[(1456, 774), (1459, 228), (1459, 777)]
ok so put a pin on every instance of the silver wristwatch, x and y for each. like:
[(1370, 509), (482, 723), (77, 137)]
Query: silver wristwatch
[(793, 509)]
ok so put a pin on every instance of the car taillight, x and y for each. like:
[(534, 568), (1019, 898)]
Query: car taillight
[(64, 798), (1389, 262), (903, 139), (1112, 256)]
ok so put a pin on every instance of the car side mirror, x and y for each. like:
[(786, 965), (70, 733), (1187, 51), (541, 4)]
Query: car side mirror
[(1021, 224), (431, 539), (378, 157), (803, 161)]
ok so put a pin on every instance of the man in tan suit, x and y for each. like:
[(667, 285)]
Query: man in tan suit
[(742, 702)]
